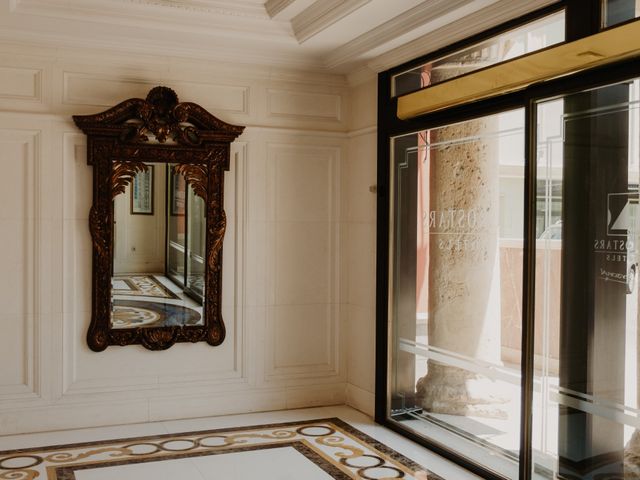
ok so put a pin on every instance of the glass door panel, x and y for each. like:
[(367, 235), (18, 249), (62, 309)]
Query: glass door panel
[(586, 416), (196, 225), (176, 227), (456, 287), (528, 38), (618, 11)]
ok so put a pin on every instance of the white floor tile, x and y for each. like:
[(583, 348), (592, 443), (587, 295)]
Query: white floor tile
[(284, 463), (63, 437), (170, 469)]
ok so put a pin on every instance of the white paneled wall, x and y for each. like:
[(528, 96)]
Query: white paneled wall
[(285, 282), (360, 246), (18, 207)]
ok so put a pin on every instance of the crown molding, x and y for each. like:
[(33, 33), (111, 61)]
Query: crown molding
[(242, 31), (276, 7), (205, 17), (321, 15), (239, 8), (286, 9), (436, 11), (360, 75), (492, 15), (230, 54)]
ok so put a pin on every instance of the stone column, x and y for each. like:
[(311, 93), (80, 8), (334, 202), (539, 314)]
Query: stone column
[(464, 270)]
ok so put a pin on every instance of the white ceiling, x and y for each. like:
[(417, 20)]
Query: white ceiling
[(332, 36)]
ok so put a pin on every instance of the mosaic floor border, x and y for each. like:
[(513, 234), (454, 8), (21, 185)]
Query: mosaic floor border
[(339, 449)]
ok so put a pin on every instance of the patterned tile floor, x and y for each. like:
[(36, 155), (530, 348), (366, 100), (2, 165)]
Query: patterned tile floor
[(310, 444)]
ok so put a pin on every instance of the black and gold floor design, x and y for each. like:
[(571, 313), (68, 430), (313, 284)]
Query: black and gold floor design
[(333, 447), (133, 313), (143, 285)]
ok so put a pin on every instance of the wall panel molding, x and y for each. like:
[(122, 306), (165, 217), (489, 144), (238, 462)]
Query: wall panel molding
[(324, 107), (19, 214), (360, 399), (78, 83), (314, 355), (303, 316), (18, 83), (101, 90)]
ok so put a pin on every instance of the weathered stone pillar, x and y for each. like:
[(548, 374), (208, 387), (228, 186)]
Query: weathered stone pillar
[(464, 269)]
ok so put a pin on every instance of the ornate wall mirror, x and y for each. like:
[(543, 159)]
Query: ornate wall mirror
[(157, 221)]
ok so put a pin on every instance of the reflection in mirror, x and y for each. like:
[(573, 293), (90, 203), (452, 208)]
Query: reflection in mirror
[(159, 239)]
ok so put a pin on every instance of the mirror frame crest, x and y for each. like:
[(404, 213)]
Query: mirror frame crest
[(120, 140)]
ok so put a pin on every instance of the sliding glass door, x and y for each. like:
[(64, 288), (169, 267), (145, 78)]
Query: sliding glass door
[(457, 263), (508, 232), (586, 378), (456, 286)]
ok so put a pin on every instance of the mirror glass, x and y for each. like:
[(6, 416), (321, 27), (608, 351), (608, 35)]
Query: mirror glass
[(159, 239)]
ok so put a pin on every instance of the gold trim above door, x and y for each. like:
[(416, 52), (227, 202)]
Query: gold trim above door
[(606, 47)]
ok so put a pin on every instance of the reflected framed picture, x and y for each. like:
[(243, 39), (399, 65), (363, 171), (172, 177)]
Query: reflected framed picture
[(142, 192)]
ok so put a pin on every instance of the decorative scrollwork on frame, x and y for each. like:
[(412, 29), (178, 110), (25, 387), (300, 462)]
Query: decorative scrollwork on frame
[(123, 174), (99, 236), (159, 338), (217, 333), (196, 143), (217, 232), (195, 175)]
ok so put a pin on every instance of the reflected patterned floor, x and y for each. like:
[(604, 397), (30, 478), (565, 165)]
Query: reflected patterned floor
[(140, 285), (132, 313), (147, 300)]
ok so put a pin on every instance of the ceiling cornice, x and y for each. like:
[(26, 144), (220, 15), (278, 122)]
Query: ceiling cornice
[(398, 26), (238, 8), (217, 7), (286, 9), (321, 15), (276, 7), (232, 54), (243, 31), (361, 75), (206, 16), (472, 24)]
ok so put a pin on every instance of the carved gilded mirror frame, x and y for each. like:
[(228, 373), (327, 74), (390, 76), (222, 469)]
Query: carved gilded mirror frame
[(121, 139)]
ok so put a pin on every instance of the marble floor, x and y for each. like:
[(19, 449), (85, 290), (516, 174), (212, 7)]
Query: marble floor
[(313, 444)]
